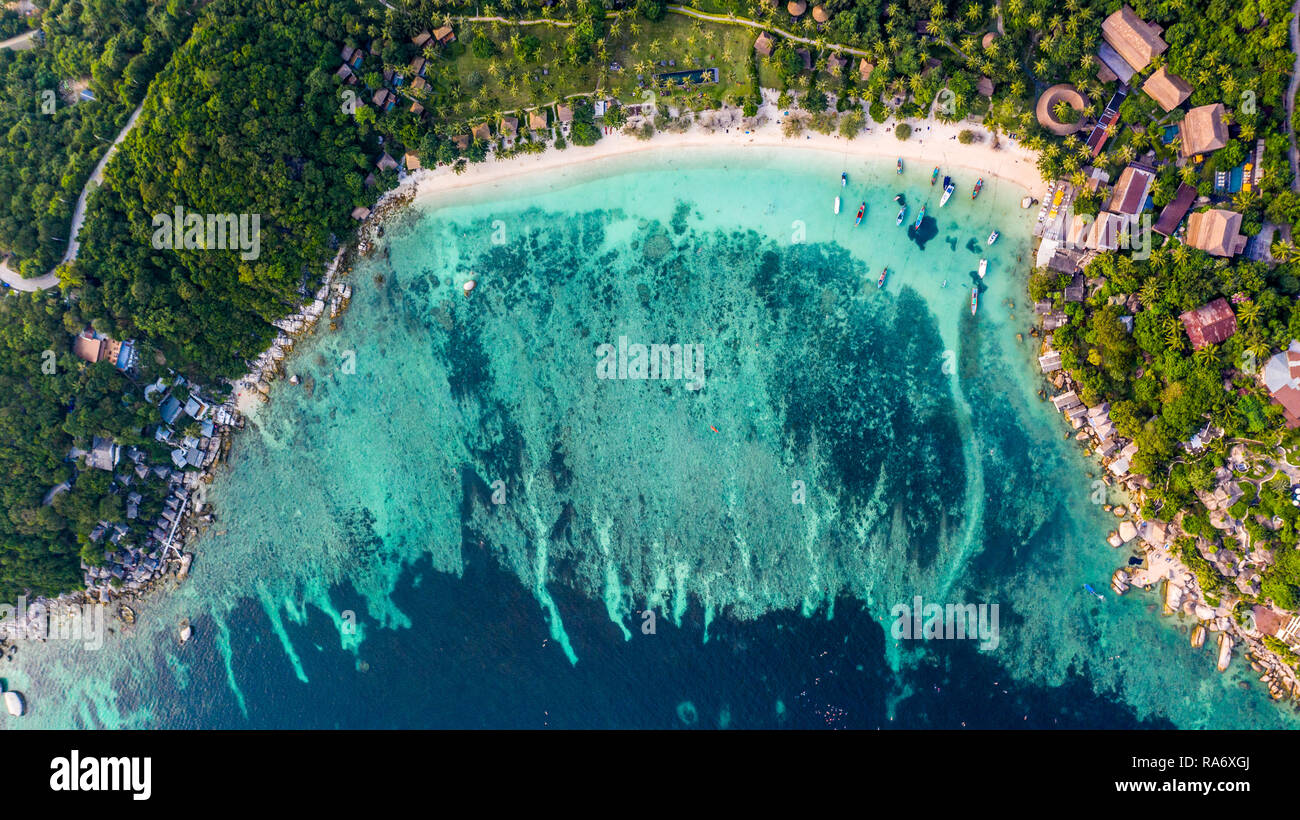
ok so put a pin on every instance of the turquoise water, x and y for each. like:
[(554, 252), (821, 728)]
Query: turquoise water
[(460, 523)]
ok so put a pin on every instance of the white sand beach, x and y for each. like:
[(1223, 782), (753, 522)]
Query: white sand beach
[(932, 143)]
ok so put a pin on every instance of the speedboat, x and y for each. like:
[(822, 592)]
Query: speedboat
[(862, 209), (900, 165), (844, 179), (993, 237), (837, 204), (978, 185), (1027, 202), (974, 299), (948, 188), (901, 213), (919, 217), (934, 177), (880, 283), (984, 267)]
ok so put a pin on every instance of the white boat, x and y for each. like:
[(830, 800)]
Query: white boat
[(947, 194), (837, 204), (14, 703), (993, 237), (984, 267), (1027, 202)]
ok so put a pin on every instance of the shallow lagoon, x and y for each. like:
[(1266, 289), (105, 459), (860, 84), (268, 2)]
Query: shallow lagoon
[(460, 524)]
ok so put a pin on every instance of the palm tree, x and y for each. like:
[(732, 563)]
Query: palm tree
[(1207, 355), (1248, 312), (1149, 293)]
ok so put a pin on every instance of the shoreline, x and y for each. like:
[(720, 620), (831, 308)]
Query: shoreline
[(932, 143)]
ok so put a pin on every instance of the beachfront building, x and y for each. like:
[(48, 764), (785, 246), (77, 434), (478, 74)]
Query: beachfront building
[(1281, 377), (1210, 324), (1045, 109), (482, 132), (1216, 231), (537, 120), (1167, 89), (1204, 129)]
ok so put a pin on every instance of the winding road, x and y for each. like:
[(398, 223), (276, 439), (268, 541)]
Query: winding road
[(51, 279)]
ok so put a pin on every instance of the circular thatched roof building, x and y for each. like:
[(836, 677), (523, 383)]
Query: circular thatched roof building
[(796, 7), (820, 14), (1044, 110), (988, 39)]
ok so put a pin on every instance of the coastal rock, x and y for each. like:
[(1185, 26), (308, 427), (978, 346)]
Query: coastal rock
[(1198, 636), (1127, 531)]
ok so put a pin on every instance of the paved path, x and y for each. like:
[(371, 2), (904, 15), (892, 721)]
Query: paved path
[(51, 279), (23, 42), (741, 21)]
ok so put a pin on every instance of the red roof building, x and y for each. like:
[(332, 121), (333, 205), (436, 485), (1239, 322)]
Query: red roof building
[(1210, 324)]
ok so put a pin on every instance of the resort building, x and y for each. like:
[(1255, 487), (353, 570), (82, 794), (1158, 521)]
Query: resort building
[(412, 161), (1129, 197), (386, 162), (422, 39), (1281, 377), (820, 14), (864, 69), (537, 120), (796, 7), (1216, 231), (510, 127), (1169, 90), (835, 63), (984, 87), (1045, 110), (1174, 212), (1136, 42), (1210, 324), (763, 45), (482, 132), (1203, 130), (360, 213), (564, 114), (443, 35)]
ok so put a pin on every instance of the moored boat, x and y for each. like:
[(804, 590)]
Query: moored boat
[(880, 283), (919, 217), (900, 165), (1027, 202), (993, 237), (934, 177), (979, 185), (837, 204), (844, 178), (974, 299), (947, 194), (862, 209), (984, 267), (901, 213), (1099, 596)]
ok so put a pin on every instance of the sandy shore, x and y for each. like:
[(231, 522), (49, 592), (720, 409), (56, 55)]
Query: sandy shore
[(932, 143)]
